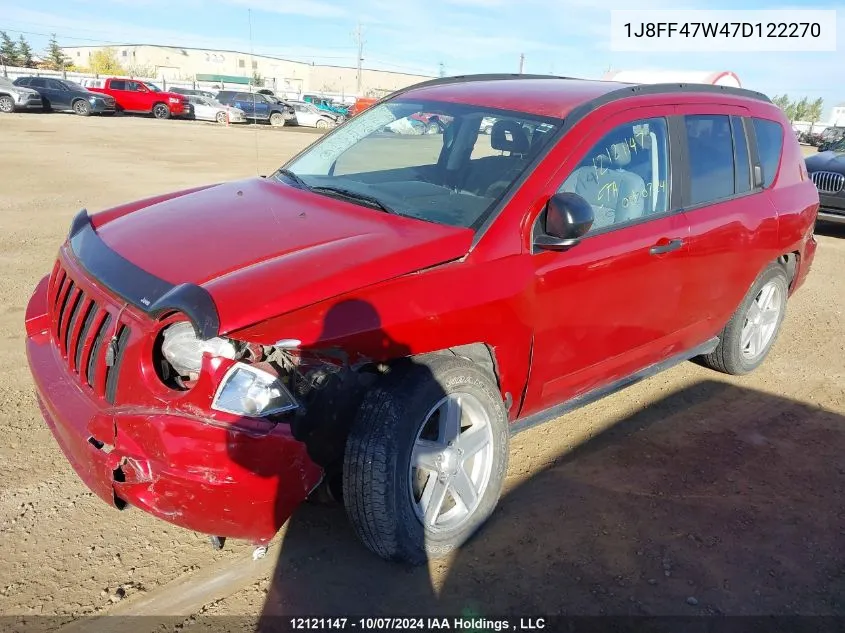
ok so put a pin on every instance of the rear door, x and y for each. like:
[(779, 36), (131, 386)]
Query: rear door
[(47, 96), (245, 102), (117, 89), (615, 303), (733, 226)]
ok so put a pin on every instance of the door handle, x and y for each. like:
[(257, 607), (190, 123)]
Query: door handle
[(666, 247)]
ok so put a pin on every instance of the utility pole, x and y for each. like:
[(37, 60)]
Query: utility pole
[(442, 69), (521, 62), (359, 39)]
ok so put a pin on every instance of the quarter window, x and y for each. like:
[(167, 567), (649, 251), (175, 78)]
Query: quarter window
[(769, 146), (626, 175), (711, 157)]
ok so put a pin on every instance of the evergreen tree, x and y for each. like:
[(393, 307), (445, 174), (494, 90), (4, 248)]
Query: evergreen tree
[(25, 53), (8, 50), (56, 59)]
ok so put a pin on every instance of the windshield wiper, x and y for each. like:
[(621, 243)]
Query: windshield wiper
[(292, 176), (359, 197)]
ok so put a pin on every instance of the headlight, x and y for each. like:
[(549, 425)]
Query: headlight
[(93, 100), (183, 349), (250, 391)]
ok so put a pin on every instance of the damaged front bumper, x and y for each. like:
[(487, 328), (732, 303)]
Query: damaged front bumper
[(224, 480)]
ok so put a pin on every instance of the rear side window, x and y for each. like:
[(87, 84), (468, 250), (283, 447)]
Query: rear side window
[(769, 146), (118, 84), (711, 157)]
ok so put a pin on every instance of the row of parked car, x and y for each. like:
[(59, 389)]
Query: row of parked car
[(119, 94), (824, 139)]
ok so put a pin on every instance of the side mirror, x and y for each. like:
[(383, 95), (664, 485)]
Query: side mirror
[(567, 218)]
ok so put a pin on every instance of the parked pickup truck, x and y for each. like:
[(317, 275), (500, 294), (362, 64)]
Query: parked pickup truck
[(132, 95)]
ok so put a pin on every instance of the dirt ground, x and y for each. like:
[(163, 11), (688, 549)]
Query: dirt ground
[(688, 493)]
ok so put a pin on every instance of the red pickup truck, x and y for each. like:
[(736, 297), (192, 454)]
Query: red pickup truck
[(132, 95)]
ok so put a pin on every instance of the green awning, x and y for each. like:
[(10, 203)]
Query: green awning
[(229, 79)]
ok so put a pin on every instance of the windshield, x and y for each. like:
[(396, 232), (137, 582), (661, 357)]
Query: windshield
[(424, 159)]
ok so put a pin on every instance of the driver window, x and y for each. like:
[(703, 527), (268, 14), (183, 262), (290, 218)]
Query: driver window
[(625, 176)]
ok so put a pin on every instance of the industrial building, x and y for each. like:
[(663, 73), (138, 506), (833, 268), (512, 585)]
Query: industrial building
[(179, 64)]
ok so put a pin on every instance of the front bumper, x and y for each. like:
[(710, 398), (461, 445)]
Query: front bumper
[(209, 477), (103, 107), (31, 102)]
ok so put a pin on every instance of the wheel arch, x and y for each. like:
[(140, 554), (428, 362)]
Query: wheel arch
[(790, 263)]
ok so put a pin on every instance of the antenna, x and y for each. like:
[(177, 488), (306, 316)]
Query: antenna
[(254, 97), (359, 39)]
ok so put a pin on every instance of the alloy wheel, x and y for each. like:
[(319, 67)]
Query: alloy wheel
[(761, 321), (451, 462)]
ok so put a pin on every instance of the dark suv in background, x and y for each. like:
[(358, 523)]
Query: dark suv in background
[(258, 107), (60, 94), (827, 170)]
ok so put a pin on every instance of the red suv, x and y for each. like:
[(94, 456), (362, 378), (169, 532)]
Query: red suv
[(386, 310)]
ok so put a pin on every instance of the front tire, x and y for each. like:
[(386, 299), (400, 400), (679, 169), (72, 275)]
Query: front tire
[(425, 459), (322, 124), (221, 117), (277, 120), (82, 107), (750, 334), (161, 111), (7, 106)]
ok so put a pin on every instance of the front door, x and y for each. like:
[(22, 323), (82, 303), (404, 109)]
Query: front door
[(615, 303), (60, 96)]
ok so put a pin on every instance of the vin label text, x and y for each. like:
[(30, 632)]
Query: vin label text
[(740, 31)]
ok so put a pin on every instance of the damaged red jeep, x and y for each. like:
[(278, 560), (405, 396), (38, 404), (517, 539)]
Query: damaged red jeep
[(380, 315)]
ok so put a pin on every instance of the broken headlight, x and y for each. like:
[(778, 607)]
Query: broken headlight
[(183, 349), (247, 390)]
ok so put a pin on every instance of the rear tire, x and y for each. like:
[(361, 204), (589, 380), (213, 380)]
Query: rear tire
[(161, 111), (753, 329), (401, 470), (82, 107), (7, 106)]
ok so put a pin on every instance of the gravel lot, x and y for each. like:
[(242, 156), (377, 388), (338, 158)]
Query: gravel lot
[(689, 493)]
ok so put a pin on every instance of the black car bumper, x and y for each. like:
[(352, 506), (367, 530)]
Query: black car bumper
[(101, 107), (832, 208)]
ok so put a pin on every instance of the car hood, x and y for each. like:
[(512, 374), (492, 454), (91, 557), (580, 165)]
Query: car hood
[(827, 161), (262, 248), (21, 89)]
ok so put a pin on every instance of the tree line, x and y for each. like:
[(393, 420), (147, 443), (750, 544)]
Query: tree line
[(101, 62), (19, 53), (802, 110)]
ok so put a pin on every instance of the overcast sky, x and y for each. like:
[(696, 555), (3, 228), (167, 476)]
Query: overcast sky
[(565, 37)]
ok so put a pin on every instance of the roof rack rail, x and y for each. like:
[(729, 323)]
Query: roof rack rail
[(630, 89), (440, 81)]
